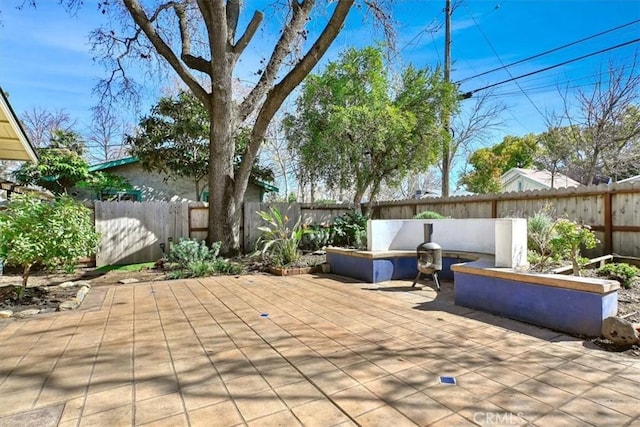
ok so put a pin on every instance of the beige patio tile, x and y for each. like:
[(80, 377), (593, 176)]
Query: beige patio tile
[(390, 388), (479, 384), (158, 408), (282, 418), (18, 402), (453, 397), (559, 419), (179, 420), (521, 404), (72, 409), (614, 400), (584, 372), (421, 409), (364, 371), (319, 413), (108, 399), (623, 385), (282, 376), (593, 413), (565, 382), (299, 393), (454, 420), (357, 400), (121, 416), (245, 385), (210, 393), (259, 405), (333, 381), (224, 413), (486, 413), (155, 387), (384, 416), (502, 375), (544, 392)]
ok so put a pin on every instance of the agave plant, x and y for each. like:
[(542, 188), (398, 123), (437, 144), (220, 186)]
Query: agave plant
[(278, 243)]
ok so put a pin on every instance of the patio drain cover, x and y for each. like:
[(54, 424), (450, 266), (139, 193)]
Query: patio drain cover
[(448, 380), (264, 315)]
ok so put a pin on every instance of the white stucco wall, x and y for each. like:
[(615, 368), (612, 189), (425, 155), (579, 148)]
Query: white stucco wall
[(506, 238)]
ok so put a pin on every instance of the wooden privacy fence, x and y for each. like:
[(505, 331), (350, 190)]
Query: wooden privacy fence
[(131, 232), (613, 211)]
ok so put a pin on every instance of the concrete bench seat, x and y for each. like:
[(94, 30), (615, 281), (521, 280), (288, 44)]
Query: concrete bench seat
[(570, 304)]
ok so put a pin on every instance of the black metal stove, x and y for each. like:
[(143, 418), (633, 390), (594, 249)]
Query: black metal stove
[(429, 255)]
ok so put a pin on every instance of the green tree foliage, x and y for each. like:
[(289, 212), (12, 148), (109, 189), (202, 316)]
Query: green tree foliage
[(47, 233), (174, 140), (61, 164), (488, 164), (355, 131), (569, 238)]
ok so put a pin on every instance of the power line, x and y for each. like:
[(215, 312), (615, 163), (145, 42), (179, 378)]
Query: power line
[(502, 63), (550, 51), (470, 93)]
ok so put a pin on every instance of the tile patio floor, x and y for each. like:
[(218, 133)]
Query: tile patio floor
[(330, 352)]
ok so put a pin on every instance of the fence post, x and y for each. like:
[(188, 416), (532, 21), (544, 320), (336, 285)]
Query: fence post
[(608, 223)]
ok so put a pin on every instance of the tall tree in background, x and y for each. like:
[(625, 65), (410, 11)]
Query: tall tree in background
[(201, 42), (488, 164), (105, 135), (355, 132), (40, 123), (602, 124)]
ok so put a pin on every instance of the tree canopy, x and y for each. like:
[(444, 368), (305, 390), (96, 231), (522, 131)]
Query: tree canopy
[(488, 164), (174, 139), (354, 130)]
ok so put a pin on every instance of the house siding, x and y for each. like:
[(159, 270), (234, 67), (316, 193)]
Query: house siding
[(527, 184), (155, 186)]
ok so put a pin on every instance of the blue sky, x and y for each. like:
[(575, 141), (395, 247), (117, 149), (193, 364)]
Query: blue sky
[(45, 59)]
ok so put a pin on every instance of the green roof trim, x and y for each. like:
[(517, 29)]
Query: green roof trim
[(113, 164), (129, 160)]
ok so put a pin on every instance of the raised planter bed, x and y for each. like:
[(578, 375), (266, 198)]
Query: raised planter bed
[(292, 271), (570, 304)]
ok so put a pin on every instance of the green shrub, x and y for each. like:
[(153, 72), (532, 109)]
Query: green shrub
[(540, 232), (278, 243), (624, 273), (193, 258), (429, 215), (350, 230), (569, 238), (46, 233), (187, 251), (317, 237)]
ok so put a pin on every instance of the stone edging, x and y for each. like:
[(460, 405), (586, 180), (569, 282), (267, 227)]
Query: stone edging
[(70, 304)]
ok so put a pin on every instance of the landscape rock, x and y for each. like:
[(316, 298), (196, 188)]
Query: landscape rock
[(82, 293), (71, 304), (620, 331), (4, 314), (128, 281), (27, 313), (68, 284)]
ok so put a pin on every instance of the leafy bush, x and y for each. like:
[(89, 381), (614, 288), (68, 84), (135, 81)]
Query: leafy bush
[(193, 258), (188, 251), (569, 238), (429, 215), (624, 273), (350, 229), (540, 232), (278, 243), (47, 233), (317, 237)]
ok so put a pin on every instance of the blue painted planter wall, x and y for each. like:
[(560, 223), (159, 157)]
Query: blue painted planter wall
[(561, 309), (382, 269)]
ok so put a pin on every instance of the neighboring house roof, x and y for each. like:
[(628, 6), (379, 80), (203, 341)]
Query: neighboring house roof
[(542, 177), (630, 179), (129, 160), (14, 143)]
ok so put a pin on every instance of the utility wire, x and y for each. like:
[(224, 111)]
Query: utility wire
[(470, 93), (502, 63), (550, 51)]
